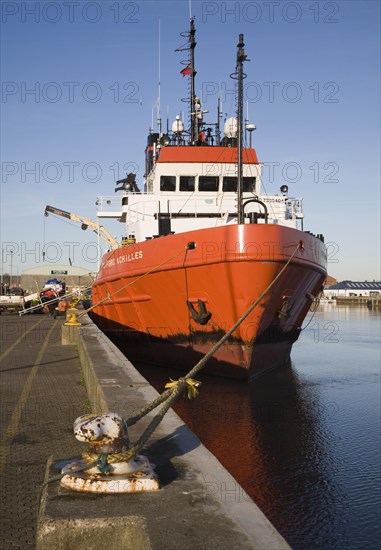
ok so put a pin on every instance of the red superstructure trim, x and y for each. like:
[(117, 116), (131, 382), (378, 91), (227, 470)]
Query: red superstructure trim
[(228, 155)]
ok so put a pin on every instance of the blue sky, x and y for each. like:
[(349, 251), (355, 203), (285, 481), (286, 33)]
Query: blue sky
[(79, 82)]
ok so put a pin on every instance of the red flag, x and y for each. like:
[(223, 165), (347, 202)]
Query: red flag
[(186, 70)]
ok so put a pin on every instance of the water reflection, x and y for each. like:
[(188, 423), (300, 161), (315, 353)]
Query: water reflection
[(270, 436), (297, 493)]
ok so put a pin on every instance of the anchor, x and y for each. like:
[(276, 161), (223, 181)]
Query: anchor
[(201, 316), (286, 307)]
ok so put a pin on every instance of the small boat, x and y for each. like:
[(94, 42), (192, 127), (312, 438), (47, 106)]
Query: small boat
[(53, 288), (44, 300)]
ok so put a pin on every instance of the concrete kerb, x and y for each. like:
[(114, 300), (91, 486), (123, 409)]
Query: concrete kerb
[(199, 505), (70, 335), (68, 532)]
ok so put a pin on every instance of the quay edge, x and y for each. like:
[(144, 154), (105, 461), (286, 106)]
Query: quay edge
[(199, 504)]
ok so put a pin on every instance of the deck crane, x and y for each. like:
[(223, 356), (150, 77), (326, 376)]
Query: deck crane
[(85, 223)]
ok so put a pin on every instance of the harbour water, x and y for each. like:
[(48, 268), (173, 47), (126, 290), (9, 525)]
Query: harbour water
[(304, 441)]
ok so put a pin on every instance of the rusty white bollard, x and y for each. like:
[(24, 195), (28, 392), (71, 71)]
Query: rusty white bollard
[(107, 434)]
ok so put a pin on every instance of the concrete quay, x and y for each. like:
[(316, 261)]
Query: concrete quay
[(199, 504)]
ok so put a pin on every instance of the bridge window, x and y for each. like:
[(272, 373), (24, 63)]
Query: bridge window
[(208, 183), (229, 184), (167, 183), (249, 184), (187, 183)]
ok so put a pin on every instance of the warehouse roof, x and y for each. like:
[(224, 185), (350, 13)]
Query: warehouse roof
[(59, 270), (356, 285)]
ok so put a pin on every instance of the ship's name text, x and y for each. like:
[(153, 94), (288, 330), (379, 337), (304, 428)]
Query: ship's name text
[(133, 257)]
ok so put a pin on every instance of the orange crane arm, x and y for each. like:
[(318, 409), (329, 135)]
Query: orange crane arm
[(85, 223)]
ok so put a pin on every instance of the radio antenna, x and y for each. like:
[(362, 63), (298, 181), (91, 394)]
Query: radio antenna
[(158, 93)]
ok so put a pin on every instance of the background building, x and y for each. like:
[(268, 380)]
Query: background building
[(353, 288), (36, 277)]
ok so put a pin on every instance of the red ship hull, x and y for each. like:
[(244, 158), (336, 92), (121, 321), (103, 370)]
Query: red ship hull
[(170, 299)]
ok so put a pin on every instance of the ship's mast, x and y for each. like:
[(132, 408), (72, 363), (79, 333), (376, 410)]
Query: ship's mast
[(192, 45), (219, 116), (240, 75), (159, 121), (189, 70)]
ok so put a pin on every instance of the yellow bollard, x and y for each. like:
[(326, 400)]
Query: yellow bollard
[(71, 320)]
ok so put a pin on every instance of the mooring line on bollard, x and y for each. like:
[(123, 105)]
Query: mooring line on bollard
[(175, 388), (102, 460)]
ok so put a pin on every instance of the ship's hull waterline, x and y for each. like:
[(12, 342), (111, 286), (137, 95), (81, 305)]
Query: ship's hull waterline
[(170, 299)]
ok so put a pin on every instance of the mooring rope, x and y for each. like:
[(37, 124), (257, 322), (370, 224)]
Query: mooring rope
[(175, 388)]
